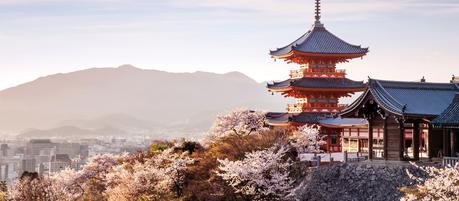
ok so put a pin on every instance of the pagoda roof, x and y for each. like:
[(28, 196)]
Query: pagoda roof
[(278, 118), (450, 117), (344, 123), (317, 83), (408, 98), (319, 40)]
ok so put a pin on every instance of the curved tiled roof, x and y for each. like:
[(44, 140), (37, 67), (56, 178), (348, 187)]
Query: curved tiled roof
[(320, 41), (449, 117), (409, 98), (302, 118), (413, 98), (318, 83)]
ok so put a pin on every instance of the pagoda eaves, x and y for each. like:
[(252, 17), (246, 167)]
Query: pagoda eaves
[(316, 45), (314, 84)]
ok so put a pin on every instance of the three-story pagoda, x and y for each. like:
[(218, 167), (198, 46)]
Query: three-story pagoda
[(317, 85)]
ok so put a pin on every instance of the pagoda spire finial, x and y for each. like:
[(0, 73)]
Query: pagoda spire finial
[(318, 12)]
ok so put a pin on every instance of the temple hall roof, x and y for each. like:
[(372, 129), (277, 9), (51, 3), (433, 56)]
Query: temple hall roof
[(344, 122), (449, 117), (319, 40), (275, 118), (409, 98), (317, 83)]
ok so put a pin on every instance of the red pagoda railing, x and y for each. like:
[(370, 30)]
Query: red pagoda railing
[(299, 108), (308, 72)]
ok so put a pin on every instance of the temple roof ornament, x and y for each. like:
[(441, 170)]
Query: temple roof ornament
[(317, 23), (319, 43)]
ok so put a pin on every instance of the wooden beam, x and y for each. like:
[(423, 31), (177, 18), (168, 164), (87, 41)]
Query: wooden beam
[(416, 141)]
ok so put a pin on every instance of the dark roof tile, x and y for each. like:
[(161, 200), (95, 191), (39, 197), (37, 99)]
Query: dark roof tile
[(303, 118), (320, 40), (449, 117), (319, 83), (413, 98)]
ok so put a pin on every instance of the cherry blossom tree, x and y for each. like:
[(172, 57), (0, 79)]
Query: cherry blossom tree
[(92, 177), (157, 178), (262, 175), (239, 123), (442, 184), (33, 187), (66, 184), (307, 140)]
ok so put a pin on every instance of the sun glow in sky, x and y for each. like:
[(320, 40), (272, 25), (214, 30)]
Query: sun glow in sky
[(408, 39)]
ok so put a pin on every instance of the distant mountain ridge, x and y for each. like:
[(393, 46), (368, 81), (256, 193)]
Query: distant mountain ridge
[(130, 99)]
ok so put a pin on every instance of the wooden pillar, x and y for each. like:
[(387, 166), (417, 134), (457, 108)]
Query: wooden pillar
[(370, 139), (385, 134), (416, 140), (429, 140), (401, 145), (453, 143), (446, 141)]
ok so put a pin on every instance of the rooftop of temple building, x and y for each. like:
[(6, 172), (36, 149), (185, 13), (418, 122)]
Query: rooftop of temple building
[(409, 98), (279, 118), (450, 117), (318, 83), (318, 41)]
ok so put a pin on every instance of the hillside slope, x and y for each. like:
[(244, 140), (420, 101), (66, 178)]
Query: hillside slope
[(131, 99)]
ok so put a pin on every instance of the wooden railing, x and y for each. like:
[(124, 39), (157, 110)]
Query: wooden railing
[(308, 72), (305, 107), (450, 161)]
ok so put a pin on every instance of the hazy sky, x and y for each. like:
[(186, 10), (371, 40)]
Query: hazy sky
[(407, 38)]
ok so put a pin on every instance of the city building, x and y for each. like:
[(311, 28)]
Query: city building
[(59, 162), (4, 150), (28, 165), (35, 146)]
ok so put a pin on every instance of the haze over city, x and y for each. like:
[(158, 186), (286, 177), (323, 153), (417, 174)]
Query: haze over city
[(42, 37)]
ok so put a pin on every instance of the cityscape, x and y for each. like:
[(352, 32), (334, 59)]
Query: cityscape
[(224, 102), (49, 156)]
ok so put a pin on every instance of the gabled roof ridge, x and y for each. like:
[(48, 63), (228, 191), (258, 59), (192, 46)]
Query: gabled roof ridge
[(354, 104), (386, 102), (414, 82), (393, 100), (417, 85)]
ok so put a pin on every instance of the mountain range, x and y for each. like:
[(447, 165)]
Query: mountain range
[(128, 100)]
